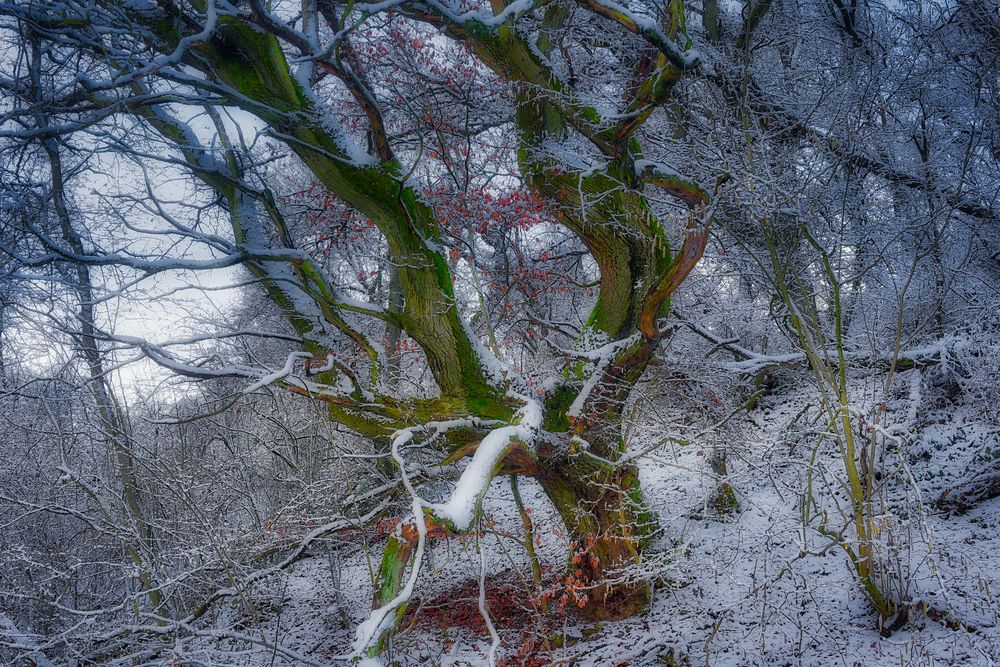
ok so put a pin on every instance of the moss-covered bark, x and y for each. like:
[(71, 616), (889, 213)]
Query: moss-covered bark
[(251, 62), (608, 522)]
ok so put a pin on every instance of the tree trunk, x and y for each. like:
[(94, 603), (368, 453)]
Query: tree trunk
[(607, 521), (608, 524), (112, 423), (393, 332)]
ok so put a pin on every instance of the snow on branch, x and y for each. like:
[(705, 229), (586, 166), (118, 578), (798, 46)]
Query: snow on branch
[(748, 362), (380, 618), (494, 370), (602, 358), (286, 374), (647, 28), (477, 16), (23, 641), (459, 511), (285, 371)]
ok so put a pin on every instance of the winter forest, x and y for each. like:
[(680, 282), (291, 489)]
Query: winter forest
[(507, 332)]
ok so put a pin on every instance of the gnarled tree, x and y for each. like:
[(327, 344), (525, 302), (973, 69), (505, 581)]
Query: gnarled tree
[(472, 219), (584, 161)]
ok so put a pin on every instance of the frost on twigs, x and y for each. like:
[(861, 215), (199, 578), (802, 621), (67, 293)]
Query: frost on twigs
[(344, 220)]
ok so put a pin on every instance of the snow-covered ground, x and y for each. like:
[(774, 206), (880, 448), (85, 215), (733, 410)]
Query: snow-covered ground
[(752, 588)]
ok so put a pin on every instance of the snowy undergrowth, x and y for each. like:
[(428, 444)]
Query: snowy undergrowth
[(752, 588)]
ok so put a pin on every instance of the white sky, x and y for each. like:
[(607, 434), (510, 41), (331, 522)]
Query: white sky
[(167, 306)]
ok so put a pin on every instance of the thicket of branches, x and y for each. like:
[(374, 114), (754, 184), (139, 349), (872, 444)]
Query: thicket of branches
[(273, 274)]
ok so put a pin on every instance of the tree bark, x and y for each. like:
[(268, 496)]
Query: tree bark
[(608, 523)]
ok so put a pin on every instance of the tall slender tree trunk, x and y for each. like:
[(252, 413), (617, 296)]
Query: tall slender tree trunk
[(112, 422)]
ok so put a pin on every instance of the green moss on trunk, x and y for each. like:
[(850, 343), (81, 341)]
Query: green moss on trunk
[(609, 524)]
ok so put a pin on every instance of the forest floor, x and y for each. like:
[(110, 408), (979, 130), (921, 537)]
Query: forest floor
[(748, 587)]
